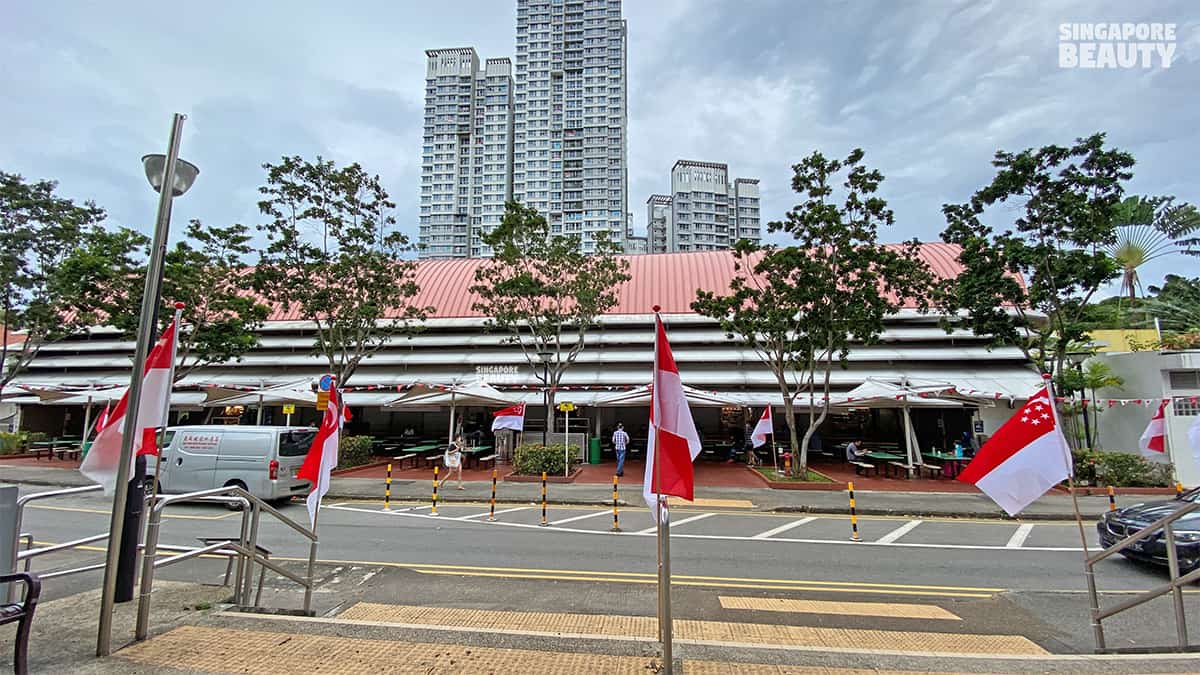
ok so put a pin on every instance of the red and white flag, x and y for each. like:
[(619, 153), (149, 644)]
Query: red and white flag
[(158, 374), (764, 428), (673, 443), (1024, 458), (1153, 440), (322, 457), (512, 417), (102, 418)]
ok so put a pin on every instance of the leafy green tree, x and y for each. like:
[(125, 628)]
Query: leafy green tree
[(39, 230), (1176, 304), (801, 307), (1028, 283), (207, 272), (334, 255), (1150, 228), (544, 292)]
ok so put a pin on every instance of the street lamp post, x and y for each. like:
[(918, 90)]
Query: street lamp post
[(161, 170)]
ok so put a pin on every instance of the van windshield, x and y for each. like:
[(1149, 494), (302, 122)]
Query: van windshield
[(296, 443)]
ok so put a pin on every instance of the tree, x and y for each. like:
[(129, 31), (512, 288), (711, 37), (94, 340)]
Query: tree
[(801, 307), (544, 292), (39, 230), (206, 272), (1029, 284), (333, 254), (1150, 228), (1094, 376)]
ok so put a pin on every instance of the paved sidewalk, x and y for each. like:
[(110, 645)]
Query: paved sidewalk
[(1053, 506)]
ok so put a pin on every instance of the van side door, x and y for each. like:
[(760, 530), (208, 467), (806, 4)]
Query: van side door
[(192, 460)]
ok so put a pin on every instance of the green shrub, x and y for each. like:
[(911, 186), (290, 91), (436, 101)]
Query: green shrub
[(12, 443), (532, 460), (1120, 469), (354, 451)]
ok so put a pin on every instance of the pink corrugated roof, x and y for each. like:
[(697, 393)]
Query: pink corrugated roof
[(667, 279)]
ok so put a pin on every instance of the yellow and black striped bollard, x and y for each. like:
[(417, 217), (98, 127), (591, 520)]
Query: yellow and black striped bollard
[(492, 506), (1112, 501), (435, 487), (616, 522), (1178, 488), (544, 522), (853, 516), (387, 489)]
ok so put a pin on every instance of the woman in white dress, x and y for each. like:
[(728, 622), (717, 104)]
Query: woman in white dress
[(453, 461)]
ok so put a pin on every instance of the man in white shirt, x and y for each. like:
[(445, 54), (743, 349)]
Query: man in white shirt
[(620, 441)]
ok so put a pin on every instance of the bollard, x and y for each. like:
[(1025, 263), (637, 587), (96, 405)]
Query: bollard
[(544, 522), (616, 523), (387, 489), (492, 506), (853, 515), (435, 486), (787, 463), (1178, 488), (1112, 501)]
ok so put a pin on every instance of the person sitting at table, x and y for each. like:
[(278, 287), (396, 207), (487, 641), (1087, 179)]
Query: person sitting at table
[(855, 451)]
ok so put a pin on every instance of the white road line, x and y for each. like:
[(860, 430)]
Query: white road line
[(899, 532), (586, 515), (783, 528), (477, 515), (1018, 538), (676, 523), (723, 537)]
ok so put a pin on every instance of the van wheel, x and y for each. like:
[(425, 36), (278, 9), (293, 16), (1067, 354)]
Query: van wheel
[(235, 483)]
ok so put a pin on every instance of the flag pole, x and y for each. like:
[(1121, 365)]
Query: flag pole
[(664, 528), (1088, 574)]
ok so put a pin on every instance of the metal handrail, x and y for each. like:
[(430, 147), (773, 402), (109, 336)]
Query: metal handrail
[(246, 546), (1174, 585), (17, 535)]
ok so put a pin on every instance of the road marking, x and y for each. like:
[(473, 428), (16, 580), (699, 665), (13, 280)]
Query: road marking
[(782, 528), (721, 537), (677, 523), (584, 516), (487, 513), (899, 532), (711, 503), (1018, 538), (80, 509), (883, 609)]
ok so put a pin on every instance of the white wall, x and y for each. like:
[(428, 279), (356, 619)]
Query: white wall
[(1147, 376)]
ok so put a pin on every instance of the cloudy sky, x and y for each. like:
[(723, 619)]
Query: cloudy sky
[(929, 89)]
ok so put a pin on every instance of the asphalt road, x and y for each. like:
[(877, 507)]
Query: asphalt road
[(1009, 577)]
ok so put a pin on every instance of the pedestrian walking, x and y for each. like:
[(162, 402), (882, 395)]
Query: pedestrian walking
[(620, 441), (453, 461)]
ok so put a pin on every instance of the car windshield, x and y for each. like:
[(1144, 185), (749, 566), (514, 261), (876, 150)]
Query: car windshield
[(1192, 495), (295, 443)]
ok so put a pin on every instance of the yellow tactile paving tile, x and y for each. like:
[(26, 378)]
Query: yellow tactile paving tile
[(224, 650), (727, 668), (685, 629), (897, 610)]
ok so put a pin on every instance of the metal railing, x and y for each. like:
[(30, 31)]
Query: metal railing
[(29, 553), (1174, 585), (245, 546)]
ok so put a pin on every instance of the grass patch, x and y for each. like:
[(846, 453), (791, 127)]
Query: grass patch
[(780, 477)]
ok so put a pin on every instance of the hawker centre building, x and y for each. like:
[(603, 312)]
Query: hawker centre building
[(456, 347)]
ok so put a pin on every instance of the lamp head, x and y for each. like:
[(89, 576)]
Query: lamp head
[(185, 173)]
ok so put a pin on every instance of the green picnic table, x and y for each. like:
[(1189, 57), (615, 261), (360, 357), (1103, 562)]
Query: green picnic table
[(476, 452), (952, 461), (892, 459)]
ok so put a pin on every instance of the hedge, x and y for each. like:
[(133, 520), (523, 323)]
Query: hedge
[(533, 459), (1120, 469), (354, 451)]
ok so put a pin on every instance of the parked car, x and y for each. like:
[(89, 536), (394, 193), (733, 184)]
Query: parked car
[(263, 460), (1116, 525)]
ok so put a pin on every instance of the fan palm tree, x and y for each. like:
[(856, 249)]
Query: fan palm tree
[(1149, 228)]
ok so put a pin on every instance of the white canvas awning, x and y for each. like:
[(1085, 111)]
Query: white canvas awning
[(641, 397), (453, 394), (296, 391)]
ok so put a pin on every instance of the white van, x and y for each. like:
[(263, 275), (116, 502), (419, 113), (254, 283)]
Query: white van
[(263, 460)]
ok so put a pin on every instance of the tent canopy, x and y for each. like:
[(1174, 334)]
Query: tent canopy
[(641, 397), (297, 391), (474, 392)]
